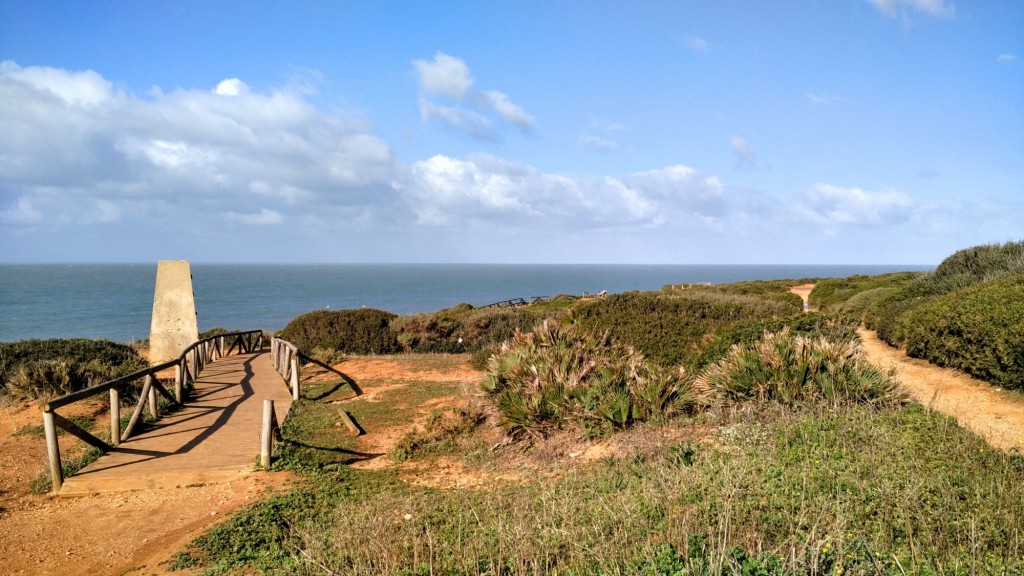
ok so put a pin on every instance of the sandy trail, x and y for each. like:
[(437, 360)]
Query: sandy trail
[(133, 532), (990, 412)]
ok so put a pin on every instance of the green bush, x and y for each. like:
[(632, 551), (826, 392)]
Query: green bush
[(792, 369), (562, 375), (830, 293), (963, 269), (858, 304), (812, 325), (672, 329), (362, 331), (987, 262), (466, 329), (47, 368), (979, 330)]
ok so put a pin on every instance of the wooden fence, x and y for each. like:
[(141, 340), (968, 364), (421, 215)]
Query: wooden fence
[(186, 370)]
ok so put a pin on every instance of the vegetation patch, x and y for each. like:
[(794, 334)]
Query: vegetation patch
[(363, 331), (440, 434), (979, 330), (32, 369), (818, 493), (560, 374), (464, 328), (671, 329), (792, 369), (829, 293)]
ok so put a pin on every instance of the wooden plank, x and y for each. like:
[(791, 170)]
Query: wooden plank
[(135, 415), (349, 423), (160, 388), (79, 433)]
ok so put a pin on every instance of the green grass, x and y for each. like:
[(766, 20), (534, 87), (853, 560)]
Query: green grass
[(36, 430), (753, 487), (866, 490)]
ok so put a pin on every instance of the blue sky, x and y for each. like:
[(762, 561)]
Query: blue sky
[(851, 131)]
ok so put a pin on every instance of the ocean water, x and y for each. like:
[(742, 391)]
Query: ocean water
[(114, 301)]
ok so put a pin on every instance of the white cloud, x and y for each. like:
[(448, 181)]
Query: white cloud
[(821, 99), (74, 88), (1006, 58), (598, 136), (450, 77), (938, 8), (445, 75), (698, 44), (744, 153), (486, 190), (68, 135), (476, 125), (262, 218), (230, 87), (506, 109), (830, 206), (21, 213), (596, 143)]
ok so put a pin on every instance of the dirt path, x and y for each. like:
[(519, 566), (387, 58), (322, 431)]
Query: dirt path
[(990, 412), (129, 533)]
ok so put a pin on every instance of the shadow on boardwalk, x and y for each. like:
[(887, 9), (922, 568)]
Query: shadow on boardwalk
[(215, 436)]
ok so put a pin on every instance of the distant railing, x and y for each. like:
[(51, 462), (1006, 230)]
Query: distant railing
[(287, 360), (187, 367), (511, 303)]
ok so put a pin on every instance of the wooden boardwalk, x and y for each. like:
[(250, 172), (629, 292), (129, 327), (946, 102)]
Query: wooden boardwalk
[(214, 438)]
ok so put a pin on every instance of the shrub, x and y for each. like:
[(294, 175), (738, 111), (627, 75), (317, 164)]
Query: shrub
[(466, 329), (986, 262), (793, 369), (979, 330), (362, 331), (672, 329), (46, 368), (562, 375), (811, 324), (830, 293), (960, 271)]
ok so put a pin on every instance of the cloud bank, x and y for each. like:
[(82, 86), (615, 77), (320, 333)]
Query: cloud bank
[(937, 8), (82, 159)]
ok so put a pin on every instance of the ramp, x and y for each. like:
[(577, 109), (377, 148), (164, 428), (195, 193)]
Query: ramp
[(214, 438)]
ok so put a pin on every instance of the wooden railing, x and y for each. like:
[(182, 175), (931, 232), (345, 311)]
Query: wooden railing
[(187, 367), (284, 356)]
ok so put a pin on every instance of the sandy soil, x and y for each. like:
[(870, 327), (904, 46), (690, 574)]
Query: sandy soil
[(990, 412), (804, 292)]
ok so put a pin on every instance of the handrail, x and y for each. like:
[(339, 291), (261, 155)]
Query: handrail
[(285, 357), (187, 367)]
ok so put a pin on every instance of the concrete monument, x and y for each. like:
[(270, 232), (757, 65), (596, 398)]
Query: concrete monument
[(174, 323)]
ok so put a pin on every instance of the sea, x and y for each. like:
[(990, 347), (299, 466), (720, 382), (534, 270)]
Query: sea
[(114, 301)]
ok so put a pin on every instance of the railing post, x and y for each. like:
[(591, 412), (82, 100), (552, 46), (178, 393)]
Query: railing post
[(115, 417), (266, 434), (178, 382), (153, 409), (295, 376), (53, 451)]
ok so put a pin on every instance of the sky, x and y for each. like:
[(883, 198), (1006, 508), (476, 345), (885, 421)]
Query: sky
[(682, 132)]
